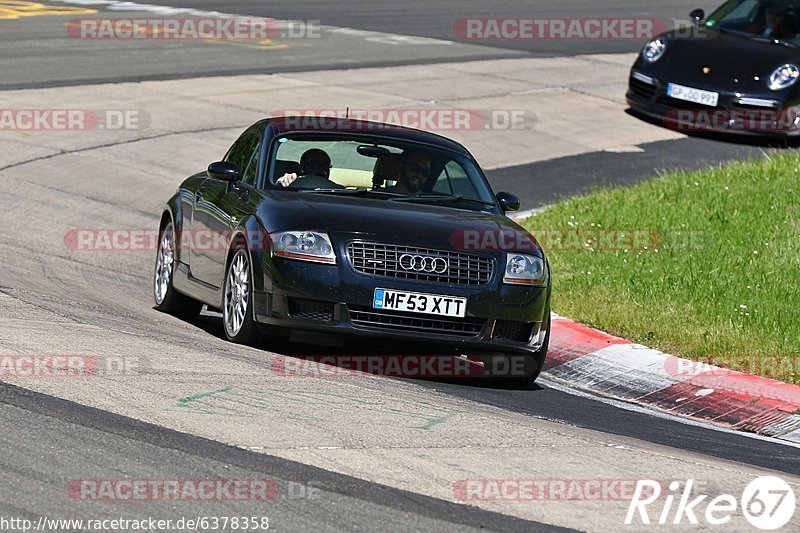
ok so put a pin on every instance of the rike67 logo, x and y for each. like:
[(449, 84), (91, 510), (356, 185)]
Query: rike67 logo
[(768, 503)]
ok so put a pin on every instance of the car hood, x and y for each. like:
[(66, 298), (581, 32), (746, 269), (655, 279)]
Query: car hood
[(433, 226), (734, 61)]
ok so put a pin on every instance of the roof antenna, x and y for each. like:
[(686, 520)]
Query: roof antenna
[(347, 113)]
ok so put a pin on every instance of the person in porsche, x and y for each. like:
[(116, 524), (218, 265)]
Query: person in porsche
[(775, 24)]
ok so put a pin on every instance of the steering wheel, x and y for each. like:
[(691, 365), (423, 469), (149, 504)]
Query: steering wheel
[(314, 182)]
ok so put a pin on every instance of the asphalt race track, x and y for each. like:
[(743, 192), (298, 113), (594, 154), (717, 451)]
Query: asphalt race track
[(345, 452), (435, 20), (394, 24)]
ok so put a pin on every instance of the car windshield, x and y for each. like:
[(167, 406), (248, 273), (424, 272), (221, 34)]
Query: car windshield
[(765, 19), (378, 168)]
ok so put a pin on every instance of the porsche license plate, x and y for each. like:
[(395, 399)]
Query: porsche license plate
[(414, 302), (690, 94)]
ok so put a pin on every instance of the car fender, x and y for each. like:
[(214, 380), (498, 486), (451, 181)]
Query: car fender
[(257, 244), (173, 211)]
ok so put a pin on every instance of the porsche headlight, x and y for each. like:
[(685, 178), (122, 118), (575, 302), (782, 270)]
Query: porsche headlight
[(525, 270), (304, 246), (784, 77), (654, 50)]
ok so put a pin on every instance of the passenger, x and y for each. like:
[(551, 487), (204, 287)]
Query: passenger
[(414, 173), (314, 162)]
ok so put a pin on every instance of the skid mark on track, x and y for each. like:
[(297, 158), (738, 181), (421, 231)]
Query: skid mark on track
[(303, 405)]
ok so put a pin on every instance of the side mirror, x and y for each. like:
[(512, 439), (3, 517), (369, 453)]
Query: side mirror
[(225, 171), (697, 15), (507, 201)]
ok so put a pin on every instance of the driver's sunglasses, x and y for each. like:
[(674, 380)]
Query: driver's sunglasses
[(417, 168), (320, 164)]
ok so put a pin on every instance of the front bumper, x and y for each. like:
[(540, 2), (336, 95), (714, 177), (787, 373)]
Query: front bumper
[(736, 113), (337, 300)]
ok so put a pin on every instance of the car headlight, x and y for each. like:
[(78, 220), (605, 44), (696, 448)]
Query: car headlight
[(304, 246), (784, 77), (525, 270), (654, 50)]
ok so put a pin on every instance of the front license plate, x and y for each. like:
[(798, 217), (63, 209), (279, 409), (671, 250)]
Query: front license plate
[(690, 94), (414, 302)]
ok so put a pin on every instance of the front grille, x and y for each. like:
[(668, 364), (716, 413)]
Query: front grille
[(310, 310), (461, 327), (642, 89), (384, 260), (513, 331)]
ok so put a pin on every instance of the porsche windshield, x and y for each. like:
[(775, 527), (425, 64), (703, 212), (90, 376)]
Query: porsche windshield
[(392, 170), (766, 19)]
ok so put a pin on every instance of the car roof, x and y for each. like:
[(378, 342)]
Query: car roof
[(364, 128)]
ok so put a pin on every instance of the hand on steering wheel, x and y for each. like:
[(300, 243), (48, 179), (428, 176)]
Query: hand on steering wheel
[(287, 179)]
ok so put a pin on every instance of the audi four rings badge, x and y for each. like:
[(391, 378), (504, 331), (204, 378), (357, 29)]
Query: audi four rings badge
[(419, 263)]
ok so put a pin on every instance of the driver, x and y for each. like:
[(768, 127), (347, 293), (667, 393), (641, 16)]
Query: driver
[(773, 25), (314, 162), (414, 173)]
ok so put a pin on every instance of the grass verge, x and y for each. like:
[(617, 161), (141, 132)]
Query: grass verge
[(704, 265)]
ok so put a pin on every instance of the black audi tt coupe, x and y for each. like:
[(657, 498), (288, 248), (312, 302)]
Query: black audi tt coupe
[(735, 71), (355, 229)]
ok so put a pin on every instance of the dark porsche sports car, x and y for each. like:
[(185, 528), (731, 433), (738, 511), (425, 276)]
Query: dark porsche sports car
[(355, 230), (735, 72)]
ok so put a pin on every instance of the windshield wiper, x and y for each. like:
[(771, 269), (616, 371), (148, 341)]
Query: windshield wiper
[(443, 199), (757, 37)]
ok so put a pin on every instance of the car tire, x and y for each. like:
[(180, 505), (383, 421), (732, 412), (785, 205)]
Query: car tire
[(237, 304), (167, 299), (533, 366)]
